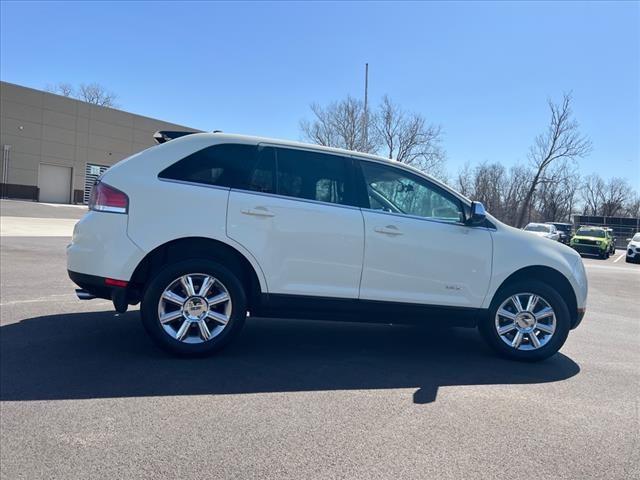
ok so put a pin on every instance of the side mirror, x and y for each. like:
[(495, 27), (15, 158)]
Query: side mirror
[(478, 214), (628, 239)]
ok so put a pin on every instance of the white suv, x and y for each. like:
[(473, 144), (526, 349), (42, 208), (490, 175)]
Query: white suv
[(207, 227)]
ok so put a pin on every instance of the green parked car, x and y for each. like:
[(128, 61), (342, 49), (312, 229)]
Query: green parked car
[(592, 241)]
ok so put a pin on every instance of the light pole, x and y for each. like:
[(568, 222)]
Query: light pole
[(365, 119)]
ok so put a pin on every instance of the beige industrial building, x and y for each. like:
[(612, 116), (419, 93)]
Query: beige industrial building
[(54, 147)]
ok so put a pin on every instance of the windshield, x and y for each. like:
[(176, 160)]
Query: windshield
[(590, 232), (536, 227), (636, 237)]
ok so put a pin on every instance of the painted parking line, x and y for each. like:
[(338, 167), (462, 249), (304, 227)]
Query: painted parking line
[(64, 297), (618, 259)]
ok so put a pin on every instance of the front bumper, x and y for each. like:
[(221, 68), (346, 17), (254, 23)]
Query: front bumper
[(589, 249), (633, 255)]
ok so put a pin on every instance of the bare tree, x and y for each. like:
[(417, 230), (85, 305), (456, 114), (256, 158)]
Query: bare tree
[(340, 124), (632, 208), (592, 192), (390, 131), (499, 189), (608, 198), (464, 181), (64, 89), (489, 184), (616, 195), (96, 94), (92, 93), (562, 141), (407, 137), (558, 194)]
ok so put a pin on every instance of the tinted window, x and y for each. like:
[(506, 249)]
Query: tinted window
[(536, 227), (591, 232), (261, 177), (224, 165), (393, 190), (314, 176)]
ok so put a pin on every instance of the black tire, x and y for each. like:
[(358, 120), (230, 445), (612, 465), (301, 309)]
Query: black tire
[(149, 307), (488, 330)]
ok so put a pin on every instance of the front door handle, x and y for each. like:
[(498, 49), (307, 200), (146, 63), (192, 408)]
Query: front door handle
[(258, 212), (388, 230)]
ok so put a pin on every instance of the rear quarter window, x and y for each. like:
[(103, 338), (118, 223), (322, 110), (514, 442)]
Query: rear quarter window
[(226, 165)]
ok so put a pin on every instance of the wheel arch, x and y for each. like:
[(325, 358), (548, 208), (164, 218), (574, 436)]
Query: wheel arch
[(199, 247), (549, 276)]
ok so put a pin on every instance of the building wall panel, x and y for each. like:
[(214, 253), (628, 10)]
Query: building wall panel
[(42, 127)]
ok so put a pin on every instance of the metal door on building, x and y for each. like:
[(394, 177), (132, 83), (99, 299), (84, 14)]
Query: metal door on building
[(91, 174), (54, 182)]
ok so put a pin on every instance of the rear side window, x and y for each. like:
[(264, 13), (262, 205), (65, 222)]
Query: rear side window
[(314, 176), (225, 165)]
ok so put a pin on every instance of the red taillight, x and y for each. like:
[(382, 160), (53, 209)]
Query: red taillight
[(112, 282), (105, 198)]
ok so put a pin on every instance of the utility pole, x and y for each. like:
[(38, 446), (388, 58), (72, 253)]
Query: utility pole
[(365, 119)]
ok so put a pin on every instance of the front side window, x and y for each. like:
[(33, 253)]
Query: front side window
[(392, 190), (225, 165), (313, 176)]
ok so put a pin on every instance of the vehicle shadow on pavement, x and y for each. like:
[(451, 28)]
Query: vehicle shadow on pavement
[(102, 355)]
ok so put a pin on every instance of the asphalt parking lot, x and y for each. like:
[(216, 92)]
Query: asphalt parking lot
[(84, 393)]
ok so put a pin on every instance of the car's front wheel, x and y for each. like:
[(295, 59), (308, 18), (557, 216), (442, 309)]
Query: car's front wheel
[(194, 307), (527, 321)]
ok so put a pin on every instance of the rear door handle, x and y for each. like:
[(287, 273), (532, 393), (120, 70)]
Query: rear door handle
[(388, 230), (258, 212)]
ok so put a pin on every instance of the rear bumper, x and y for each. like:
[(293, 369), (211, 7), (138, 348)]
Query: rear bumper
[(101, 247), (93, 284), (98, 287)]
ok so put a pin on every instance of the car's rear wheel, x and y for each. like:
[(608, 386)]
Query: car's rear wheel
[(194, 307), (527, 321)]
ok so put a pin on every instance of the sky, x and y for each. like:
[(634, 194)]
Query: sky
[(483, 71)]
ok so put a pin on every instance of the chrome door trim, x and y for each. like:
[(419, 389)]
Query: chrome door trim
[(425, 219), (194, 184), (294, 199)]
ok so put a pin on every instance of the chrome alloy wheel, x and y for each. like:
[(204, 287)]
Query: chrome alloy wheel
[(194, 308), (525, 321)]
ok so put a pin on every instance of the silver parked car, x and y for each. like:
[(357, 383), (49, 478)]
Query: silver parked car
[(543, 230)]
